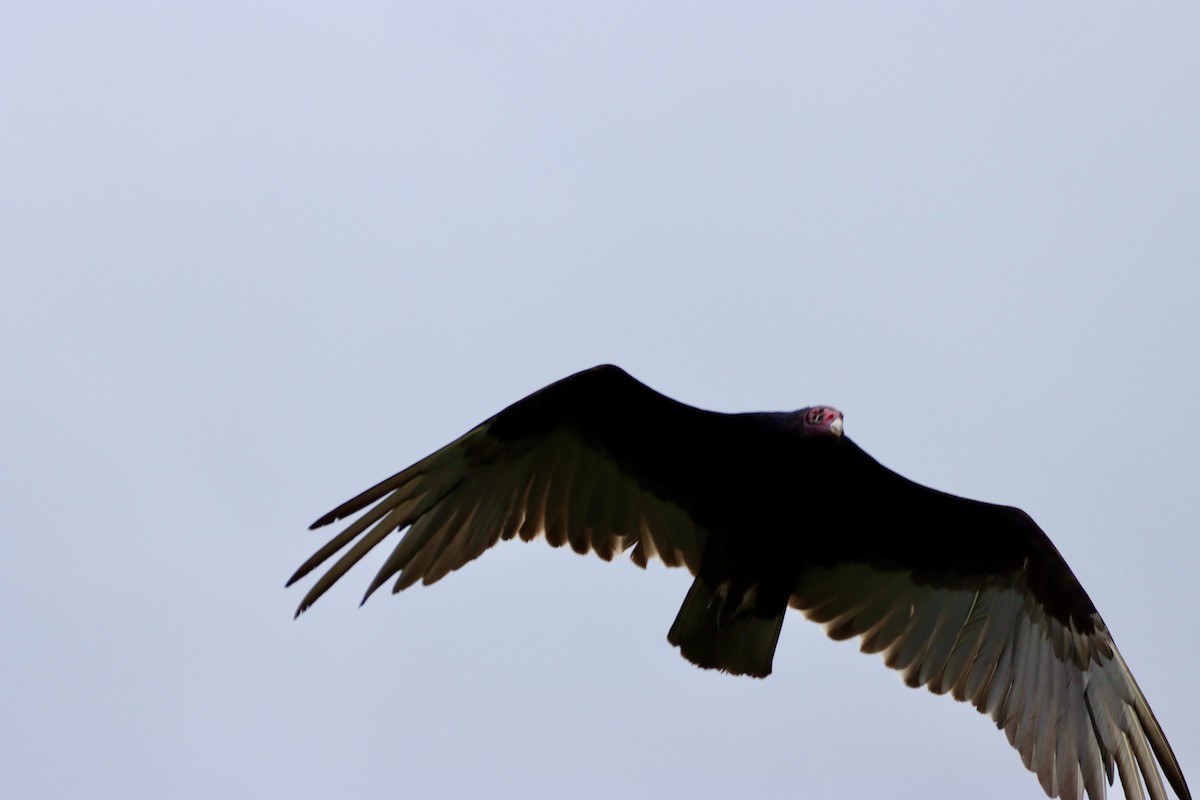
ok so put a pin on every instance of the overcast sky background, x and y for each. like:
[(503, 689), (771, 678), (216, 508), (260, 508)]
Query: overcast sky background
[(258, 256)]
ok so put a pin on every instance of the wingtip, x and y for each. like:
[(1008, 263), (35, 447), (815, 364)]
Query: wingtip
[(332, 516)]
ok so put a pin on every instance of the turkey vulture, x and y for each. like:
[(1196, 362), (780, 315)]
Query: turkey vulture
[(770, 510)]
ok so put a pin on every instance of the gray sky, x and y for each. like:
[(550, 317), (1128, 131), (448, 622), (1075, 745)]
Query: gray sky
[(258, 256)]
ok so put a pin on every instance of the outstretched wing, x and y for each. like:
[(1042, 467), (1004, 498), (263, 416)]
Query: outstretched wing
[(972, 599), (598, 461)]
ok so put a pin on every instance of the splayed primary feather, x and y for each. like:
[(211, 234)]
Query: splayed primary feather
[(1065, 701)]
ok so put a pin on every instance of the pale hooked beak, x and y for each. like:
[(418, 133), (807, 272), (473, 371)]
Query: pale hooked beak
[(836, 426)]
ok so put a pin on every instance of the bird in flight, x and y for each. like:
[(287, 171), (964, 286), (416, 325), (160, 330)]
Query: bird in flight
[(771, 510)]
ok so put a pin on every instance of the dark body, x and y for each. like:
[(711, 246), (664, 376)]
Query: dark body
[(771, 510), (775, 500)]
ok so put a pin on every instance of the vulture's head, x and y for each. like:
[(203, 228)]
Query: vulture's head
[(820, 421)]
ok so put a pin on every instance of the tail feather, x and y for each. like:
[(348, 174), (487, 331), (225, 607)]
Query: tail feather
[(715, 630)]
